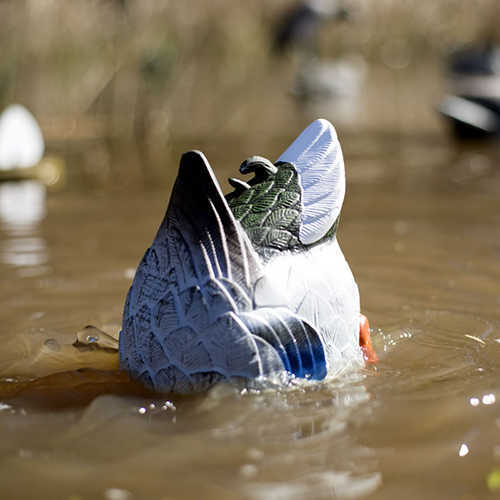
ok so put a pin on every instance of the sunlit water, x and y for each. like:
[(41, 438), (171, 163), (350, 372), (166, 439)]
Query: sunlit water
[(420, 228)]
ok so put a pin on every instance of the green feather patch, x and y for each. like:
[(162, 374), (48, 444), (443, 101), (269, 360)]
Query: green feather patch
[(269, 210)]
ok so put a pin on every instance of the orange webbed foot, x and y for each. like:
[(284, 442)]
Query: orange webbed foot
[(365, 342)]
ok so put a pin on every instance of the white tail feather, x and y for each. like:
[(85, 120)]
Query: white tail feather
[(317, 156)]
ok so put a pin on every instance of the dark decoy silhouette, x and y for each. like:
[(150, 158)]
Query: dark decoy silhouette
[(299, 25), (473, 106)]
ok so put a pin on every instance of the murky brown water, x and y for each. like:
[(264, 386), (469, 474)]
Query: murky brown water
[(420, 228)]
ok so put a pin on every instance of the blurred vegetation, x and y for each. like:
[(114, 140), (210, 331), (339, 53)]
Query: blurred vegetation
[(129, 82)]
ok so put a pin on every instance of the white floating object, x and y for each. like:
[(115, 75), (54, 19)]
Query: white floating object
[(464, 450), (21, 140), (488, 399)]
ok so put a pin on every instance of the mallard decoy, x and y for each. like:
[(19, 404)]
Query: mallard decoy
[(482, 59), (472, 117), (473, 105), (252, 285), (300, 25)]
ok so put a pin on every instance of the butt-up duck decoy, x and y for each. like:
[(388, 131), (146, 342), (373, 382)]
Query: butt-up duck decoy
[(252, 285)]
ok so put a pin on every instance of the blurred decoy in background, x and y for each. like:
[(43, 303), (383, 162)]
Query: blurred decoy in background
[(21, 140), (473, 104), (317, 79), (249, 286), (299, 26), (475, 61), (22, 149)]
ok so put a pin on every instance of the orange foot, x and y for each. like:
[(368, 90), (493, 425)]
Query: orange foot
[(365, 342)]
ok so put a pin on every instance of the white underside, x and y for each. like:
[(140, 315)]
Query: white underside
[(318, 285)]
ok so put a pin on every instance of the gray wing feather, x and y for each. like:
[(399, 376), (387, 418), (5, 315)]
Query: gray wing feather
[(181, 329)]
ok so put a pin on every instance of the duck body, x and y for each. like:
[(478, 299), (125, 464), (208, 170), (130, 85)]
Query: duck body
[(473, 105), (252, 285)]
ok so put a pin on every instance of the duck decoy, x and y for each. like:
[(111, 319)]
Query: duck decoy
[(473, 105), (472, 117), (22, 149), (252, 285), (299, 26), (482, 59)]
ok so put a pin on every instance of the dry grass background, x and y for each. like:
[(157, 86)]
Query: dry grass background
[(156, 74)]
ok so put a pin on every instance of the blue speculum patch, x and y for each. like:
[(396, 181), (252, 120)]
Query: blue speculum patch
[(307, 356), (297, 343)]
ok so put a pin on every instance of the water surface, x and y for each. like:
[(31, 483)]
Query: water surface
[(420, 230)]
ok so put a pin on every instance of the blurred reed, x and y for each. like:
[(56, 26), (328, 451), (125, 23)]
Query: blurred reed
[(129, 82)]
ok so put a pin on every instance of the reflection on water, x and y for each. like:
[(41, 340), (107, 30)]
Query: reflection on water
[(22, 207), (316, 445), (24, 252), (22, 204), (418, 229), (224, 444)]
